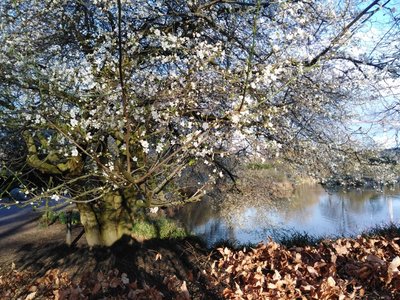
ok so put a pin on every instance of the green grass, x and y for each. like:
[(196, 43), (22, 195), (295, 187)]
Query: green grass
[(299, 239), (232, 245), (389, 230), (50, 216), (259, 166), (293, 238), (161, 228), (288, 239)]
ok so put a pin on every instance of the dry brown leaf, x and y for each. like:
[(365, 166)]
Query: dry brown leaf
[(276, 276), (124, 278), (340, 250), (375, 259), (33, 288), (258, 276), (312, 271), (271, 286), (133, 285), (333, 258), (57, 281), (331, 281), (96, 288), (100, 276), (227, 251), (56, 294), (158, 256), (229, 269), (31, 296), (184, 291), (364, 272), (393, 269), (394, 264), (227, 292), (105, 284), (298, 258)]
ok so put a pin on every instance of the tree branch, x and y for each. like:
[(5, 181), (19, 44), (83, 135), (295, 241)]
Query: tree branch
[(337, 39), (123, 89)]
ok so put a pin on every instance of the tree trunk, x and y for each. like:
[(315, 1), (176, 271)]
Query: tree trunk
[(105, 222)]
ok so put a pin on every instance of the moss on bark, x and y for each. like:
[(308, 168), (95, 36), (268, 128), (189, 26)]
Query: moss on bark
[(106, 222)]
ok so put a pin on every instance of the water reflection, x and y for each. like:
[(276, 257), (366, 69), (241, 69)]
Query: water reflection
[(310, 209)]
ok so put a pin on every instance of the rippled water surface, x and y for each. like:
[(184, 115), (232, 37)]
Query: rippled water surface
[(310, 209)]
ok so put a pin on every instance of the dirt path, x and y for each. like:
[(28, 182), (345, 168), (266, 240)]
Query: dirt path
[(21, 228), (34, 251)]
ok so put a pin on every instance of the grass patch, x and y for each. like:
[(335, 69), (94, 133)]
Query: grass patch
[(170, 229), (299, 239), (232, 245), (287, 238), (50, 216), (259, 166), (389, 230), (144, 230), (161, 228)]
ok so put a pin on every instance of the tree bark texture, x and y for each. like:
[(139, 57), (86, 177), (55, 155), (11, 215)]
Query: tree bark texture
[(105, 222)]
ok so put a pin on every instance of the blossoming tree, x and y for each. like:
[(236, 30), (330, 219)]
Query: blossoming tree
[(109, 103)]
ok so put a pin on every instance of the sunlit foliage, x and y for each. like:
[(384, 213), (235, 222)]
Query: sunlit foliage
[(114, 104)]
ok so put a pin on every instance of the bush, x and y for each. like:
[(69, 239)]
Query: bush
[(50, 216), (162, 228)]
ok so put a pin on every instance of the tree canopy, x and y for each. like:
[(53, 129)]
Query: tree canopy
[(112, 104)]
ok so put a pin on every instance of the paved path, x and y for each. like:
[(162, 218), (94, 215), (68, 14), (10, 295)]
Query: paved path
[(15, 220), (20, 227)]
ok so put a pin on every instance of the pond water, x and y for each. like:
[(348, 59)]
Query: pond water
[(310, 209)]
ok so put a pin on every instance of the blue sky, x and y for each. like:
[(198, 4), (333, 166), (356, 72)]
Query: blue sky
[(382, 128)]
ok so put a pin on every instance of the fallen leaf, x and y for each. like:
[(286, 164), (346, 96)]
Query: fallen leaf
[(124, 278), (333, 258), (276, 276), (312, 271), (375, 259), (184, 291), (238, 290), (340, 250), (229, 269), (394, 264), (271, 286), (96, 288), (331, 281), (227, 292), (33, 288), (297, 258), (31, 296), (100, 276), (56, 294)]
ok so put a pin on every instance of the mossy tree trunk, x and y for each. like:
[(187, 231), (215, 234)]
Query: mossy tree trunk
[(107, 221)]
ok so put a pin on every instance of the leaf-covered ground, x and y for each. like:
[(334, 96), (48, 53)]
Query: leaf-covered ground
[(55, 284), (153, 269), (361, 268), (343, 269)]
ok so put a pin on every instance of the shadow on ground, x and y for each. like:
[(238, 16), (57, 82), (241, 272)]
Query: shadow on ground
[(148, 262)]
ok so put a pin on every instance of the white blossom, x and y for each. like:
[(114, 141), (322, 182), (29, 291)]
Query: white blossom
[(55, 197), (74, 152)]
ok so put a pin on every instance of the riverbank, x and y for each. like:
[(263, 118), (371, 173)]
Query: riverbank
[(45, 268)]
